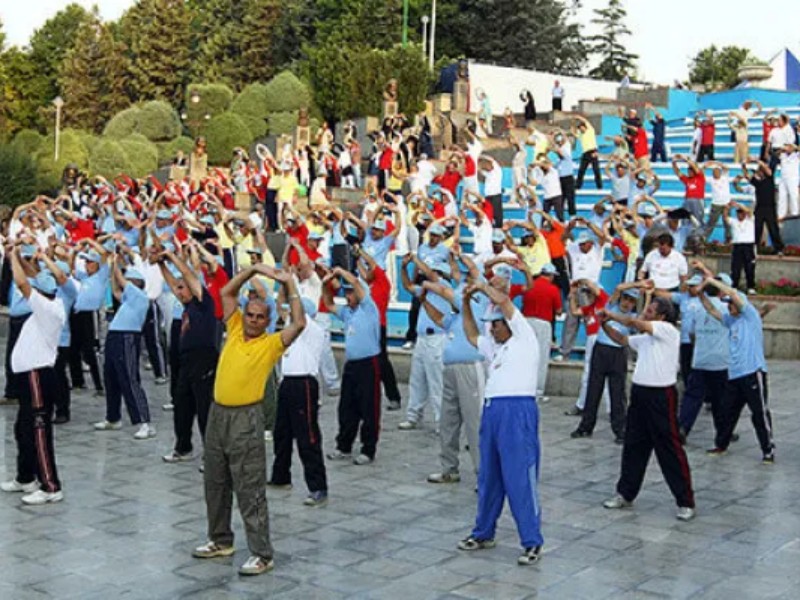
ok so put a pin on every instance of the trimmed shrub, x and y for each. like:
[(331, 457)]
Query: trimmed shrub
[(88, 139), (123, 124), (142, 155), (168, 150), (71, 150), (27, 141), (285, 93), (223, 133), (108, 159), (17, 174), (215, 98), (283, 122), (158, 122), (251, 106)]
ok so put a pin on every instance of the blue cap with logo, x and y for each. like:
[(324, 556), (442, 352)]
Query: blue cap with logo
[(498, 237), (493, 313), (436, 229), (548, 269), (379, 225), (503, 270), (132, 274), (163, 214), (45, 282), (694, 280)]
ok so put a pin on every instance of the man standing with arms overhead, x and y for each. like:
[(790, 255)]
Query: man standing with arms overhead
[(235, 455)]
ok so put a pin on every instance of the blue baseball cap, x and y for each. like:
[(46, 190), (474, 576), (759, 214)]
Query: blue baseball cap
[(725, 278), (380, 225), (163, 214), (503, 270), (694, 280), (207, 220), (548, 269), (316, 235), (498, 237), (493, 314), (648, 210), (436, 229), (585, 238), (63, 266), (632, 293), (45, 282), (27, 250), (91, 256), (132, 274)]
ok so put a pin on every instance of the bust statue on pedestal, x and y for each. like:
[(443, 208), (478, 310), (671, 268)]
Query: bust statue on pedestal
[(303, 131), (390, 108), (461, 87)]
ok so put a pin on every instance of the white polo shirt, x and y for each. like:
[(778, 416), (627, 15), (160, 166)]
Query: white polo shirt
[(481, 237), (303, 357), (493, 180), (720, 190), (510, 372), (744, 231), (658, 356), (665, 271), (37, 345), (585, 265), (550, 182)]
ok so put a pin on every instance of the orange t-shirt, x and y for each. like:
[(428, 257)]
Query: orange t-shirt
[(554, 242)]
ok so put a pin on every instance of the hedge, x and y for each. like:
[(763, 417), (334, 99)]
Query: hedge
[(123, 124), (27, 141), (285, 93), (17, 174), (251, 106), (71, 150), (168, 150), (215, 99), (158, 121), (223, 133), (142, 155), (108, 159)]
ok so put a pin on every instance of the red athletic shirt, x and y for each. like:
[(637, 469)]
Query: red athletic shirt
[(299, 233), (766, 129), (385, 162), (214, 283), (449, 180), (470, 168), (590, 313), (707, 134), (542, 301), (695, 185), (380, 289), (640, 143), (80, 229)]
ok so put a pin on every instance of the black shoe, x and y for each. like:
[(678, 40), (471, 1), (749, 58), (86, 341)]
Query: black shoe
[(768, 459), (574, 412), (393, 406), (60, 420), (580, 433), (82, 386)]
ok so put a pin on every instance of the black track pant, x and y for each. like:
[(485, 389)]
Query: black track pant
[(652, 424), (174, 358), (83, 334), (14, 383), (63, 397), (770, 219), (387, 371), (496, 201), (155, 341), (193, 395), (607, 363), (752, 391), (33, 429), (360, 405), (590, 158), (743, 258), (568, 193), (297, 419)]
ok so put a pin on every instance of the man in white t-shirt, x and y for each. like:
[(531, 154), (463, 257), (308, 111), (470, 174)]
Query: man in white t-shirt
[(652, 421), (426, 169), (492, 174), (720, 182), (480, 228), (788, 197), (664, 265), (544, 174), (743, 252), (34, 359), (509, 434)]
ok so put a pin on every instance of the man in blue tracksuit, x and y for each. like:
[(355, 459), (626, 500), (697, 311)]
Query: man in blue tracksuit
[(509, 431)]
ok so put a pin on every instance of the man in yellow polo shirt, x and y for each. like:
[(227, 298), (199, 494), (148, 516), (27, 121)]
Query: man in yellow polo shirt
[(235, 456)]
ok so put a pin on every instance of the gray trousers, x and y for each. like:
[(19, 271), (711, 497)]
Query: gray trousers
[(425, 379), (570, 332), (462, 402), (236, 461), (544, 332), (694, 206), (714, 215)]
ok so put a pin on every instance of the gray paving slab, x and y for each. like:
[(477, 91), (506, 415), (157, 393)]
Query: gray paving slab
[(129, 521)]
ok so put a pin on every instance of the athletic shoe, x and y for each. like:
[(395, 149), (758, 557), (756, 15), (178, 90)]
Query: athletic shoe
[(338, 455), (407, 425), (280, 486), (408, 346), (147, 366), (768, 459), (161, 380), (392, 406), (99, 394), (471, 544), (685, 513), (267, 435), (444, 478), (751, 292), (6, 401), (16, 486), (574, 412), (108, 425), (40, 497), (558, 358), (212, 550), (169, 406), (580, 433), (146, 431), (176, 457), (716, 451), (543, 399), (256, 565), (617, 502), (333, 392), (60, 420), (530, 556), (362, 459), (316, 499)]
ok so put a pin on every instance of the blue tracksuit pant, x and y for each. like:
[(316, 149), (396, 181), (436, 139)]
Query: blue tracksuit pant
[(509, 466), (121, 374)]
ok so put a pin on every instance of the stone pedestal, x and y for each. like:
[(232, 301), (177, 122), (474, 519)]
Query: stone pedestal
[(461, 95), (302, 136), (177, 173), (389, 109), (443, 102)]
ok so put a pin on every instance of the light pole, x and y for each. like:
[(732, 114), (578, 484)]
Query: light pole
[(405, 23), (425, 20), (58, 102), (433, 36)]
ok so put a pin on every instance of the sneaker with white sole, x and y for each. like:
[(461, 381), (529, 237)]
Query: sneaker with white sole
[(267, 435), (40, 497), (108, 425), (316, 499), (161, 380), (444, 478), (558, 358), (617, 502), (470, 544), (16, 486), (362, 459), (407, 425), (338, 455), (212, 550), (168, 406), (146, 431), (255, 565), (685, 513), (408, 346), (334, 392), (530, 556), (176, 457)]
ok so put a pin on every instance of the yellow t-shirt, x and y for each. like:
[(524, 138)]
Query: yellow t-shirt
[(245, 243), (288, 188), (535, 256), (633, 243), (244, 366), (588, 139), (225, 242)]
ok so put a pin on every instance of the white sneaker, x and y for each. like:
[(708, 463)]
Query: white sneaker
[(40, 497), (161, 380), (617, 502), (175, 457), (108, 426), (334, 392), (256, 565), (267, 435), (685, 513), (16, 486), (145, 431), (168, 406), (543, 399), (408, 346), (362, 459), (407, 425), (751, 292), (558, 358)]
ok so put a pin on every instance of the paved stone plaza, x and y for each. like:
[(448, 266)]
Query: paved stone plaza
[(129, 521)]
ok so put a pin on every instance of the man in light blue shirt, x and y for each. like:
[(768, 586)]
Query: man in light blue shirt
[(377, 242), (122, 350), (747, 380), (433, 250), (360, 399), (690, 307)]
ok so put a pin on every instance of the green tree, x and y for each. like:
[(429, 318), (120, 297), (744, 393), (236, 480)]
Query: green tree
[(251, 105), (94, 78), (223, 133), (259, 27), (108, 159), (203, 102), (158, 36), (17, 176), (718, 65), (615, 61), (158, 121), (71, 150), (28, 141)]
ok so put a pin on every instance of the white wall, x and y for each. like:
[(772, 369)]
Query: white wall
[(503, 85), (778, 79)]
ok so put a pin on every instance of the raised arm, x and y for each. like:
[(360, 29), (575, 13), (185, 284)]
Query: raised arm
[(295, 327), (20, 278)]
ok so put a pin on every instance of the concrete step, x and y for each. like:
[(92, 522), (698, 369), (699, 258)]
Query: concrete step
[(769, 268), (782, 341)]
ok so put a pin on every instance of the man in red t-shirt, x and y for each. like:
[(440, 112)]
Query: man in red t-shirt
[(380, 289), (541, 303), (695, 182), (707, 132), (450, 179)]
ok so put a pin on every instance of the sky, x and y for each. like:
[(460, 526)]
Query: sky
[(664, 40)]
